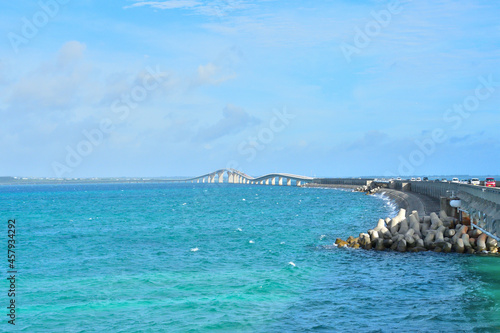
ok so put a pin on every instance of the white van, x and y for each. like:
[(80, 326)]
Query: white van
[(475, 181), (455, 180)]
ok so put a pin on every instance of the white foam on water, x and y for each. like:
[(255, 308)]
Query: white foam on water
[(291, 264), (389, 203), (282, 243), (251, 242), (340, 189), (195, 249), (239, 229), (322, 237)]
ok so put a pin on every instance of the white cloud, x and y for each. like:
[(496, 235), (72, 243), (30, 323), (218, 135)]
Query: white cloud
[(70, 52), (211, 74), (234, 120), (170, 4), (210, 8), (54, 85)]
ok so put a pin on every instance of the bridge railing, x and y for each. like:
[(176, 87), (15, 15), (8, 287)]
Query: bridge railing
[(441, 189), (434, 189), (486, 193)]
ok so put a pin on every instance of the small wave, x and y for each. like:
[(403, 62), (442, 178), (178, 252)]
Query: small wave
[(251, 242), (291, 264), (195, 249), (344, 189), (335, 189), (239, 229), (389, 203)]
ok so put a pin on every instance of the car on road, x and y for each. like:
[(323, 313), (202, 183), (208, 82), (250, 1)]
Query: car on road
[(425, 179), (475, 181), (444, 180), (490, 182), (419, 179), (413, 179), (455, 180)]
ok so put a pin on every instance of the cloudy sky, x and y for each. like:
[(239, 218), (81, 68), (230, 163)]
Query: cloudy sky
[(183, 87)]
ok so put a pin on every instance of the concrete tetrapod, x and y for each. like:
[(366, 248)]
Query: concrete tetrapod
[(403, 227), (459, 246), (394, 224), (415, 234), (414, 223), (481, 242), (491, 243), (465, 239)]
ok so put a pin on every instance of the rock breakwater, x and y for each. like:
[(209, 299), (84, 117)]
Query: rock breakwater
[(414, 233), (369, 189)]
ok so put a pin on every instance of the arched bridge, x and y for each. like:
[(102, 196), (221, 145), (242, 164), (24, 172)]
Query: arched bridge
[(234, 176)]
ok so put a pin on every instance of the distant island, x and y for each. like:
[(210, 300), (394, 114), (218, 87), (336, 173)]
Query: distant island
[(93, 180)]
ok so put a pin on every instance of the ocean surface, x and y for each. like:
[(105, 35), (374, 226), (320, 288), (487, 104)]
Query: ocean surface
[(224, 257)]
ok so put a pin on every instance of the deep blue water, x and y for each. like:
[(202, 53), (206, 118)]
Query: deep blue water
[(236, 258)]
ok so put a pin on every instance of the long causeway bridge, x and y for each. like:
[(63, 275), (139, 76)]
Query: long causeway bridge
[(233, 176)]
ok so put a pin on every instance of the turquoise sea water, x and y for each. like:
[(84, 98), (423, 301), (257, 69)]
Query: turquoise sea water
[(236, 258)]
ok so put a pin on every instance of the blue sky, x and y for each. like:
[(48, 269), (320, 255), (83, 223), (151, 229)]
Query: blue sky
[(324, 88)]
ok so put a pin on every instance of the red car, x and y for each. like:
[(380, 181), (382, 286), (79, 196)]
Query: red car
[(490, 182)]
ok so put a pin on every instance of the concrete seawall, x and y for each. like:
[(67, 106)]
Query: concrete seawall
[(410, 201)]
